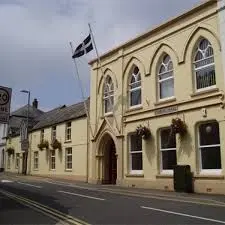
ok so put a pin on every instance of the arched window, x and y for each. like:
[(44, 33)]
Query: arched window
[(204, 66), (165, 78), (135, 87), (108, 97)]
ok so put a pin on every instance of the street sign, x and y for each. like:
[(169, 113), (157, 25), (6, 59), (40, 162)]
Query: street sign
[(5, 100), (24, 145)]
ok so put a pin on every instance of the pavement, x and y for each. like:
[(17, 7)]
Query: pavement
[(53, 201)]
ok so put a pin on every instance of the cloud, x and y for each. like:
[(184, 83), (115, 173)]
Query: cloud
[(35, 36)]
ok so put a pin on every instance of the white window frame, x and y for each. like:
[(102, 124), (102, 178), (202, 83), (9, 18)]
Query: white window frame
[(165, 79), (66, 158), (53, 133), (207, 171), (108, 95), (138, 172), (52, 159), (162, 171), (68, 131), (203, 67), (17, 163), (36, 160), (130, 89)]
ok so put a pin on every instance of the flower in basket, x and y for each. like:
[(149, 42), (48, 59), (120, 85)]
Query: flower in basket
[(10, 150), (178, 126), (143, 131), (56, 144), (43, 144)]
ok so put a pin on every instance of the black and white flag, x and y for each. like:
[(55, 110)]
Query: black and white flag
[(83, 48)]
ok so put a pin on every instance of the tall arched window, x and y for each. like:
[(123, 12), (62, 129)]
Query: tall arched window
[(135, 87), (165, 78), (204, 66), (108, 97)]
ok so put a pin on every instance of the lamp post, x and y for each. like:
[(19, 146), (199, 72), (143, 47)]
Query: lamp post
[(27, 138)]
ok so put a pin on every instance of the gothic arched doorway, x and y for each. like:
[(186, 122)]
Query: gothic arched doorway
[(109, 160)]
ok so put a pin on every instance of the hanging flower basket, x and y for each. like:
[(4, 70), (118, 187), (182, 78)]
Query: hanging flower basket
[(178, 126), (10, 151), (56, 145), (43, 145), (143, 131)]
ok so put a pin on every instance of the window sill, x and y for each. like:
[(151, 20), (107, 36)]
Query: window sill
[(209, 176), (164, 101), (138, 107), (134, 175), (164, 176), (69, 141), (35, 170), (68, 170), (205, 91)]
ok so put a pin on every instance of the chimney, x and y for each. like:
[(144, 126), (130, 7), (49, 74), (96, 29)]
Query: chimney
[(35, 103)]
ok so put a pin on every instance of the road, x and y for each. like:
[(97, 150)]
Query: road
[(26, 200)]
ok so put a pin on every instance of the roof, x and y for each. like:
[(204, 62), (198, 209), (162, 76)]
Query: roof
[(22, 112), (61, 114), (160, 27)]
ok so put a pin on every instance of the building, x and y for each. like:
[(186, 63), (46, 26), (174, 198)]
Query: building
[(3, 133), (221, 12), (15, 158), (58, 144), (169, 77)]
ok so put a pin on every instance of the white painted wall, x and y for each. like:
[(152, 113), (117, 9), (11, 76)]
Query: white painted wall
[(221, 8), (3, 130)]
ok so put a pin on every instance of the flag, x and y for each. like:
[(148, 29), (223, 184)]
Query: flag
[(83, 48)]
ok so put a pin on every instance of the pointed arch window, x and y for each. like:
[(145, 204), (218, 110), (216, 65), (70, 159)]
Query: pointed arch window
[(108, 97), (165, 78), (204, 66), (135, 87)]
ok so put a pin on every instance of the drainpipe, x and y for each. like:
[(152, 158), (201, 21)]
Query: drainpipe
[(87, 168)]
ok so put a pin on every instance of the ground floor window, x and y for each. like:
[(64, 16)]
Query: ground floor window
[(209, 146), (69, 158), (135, 154), (35, 160), (17, 160), (168, 153), (52, 160), (8, 161)]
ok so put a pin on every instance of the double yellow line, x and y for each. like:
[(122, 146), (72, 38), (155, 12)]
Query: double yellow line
[(52, 213)]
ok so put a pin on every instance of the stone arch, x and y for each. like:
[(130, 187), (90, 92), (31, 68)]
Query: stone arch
[(163, 48), (203, 31), (109, 72)]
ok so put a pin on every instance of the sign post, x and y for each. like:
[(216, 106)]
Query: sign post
[(5, 100)]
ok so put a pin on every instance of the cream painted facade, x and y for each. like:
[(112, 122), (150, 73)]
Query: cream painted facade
[(39, 161), (178, 39)]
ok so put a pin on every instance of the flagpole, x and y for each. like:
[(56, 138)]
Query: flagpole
[(82, 92), (99, 61)]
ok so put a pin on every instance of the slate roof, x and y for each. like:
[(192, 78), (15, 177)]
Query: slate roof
[(33, 112), (61, 114)]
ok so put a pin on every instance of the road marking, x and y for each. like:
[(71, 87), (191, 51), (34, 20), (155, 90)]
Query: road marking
[(29, 184), (7, 181), (84, 196), (183, 214), (45, 209), (71, 185)]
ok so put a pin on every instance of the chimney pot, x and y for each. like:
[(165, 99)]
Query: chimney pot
[(35, 103)]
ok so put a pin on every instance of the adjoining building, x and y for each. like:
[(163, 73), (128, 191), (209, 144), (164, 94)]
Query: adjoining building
[(58, 142), (160, 103)]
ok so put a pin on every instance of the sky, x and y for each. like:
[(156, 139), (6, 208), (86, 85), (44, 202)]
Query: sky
[(35, 35)]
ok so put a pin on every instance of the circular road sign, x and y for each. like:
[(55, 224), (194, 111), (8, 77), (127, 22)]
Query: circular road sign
[(4, 96)]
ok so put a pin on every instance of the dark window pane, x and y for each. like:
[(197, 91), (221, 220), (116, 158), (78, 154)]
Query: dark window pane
[(209, 134), (211, 158), (168, 139), (135, 97), (136, 161), (206, 77), (136, 143), (169, 159)]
